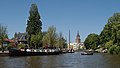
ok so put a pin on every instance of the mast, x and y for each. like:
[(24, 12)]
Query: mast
[(69, 39)]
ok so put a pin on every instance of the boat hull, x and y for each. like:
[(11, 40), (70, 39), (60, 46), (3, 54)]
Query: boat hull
[(87, 53), (71, 51), (25, 53)]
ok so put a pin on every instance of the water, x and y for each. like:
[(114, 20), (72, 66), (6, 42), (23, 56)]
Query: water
[(69, 60)]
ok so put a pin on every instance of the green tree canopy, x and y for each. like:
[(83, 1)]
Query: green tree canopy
[(34, 24), (110, 35), (50, 38), (3, 32), (61, 41), (92, 41), (36, 40), (111, 30)]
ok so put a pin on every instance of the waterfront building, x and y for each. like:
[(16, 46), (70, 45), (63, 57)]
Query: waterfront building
[(5, 44), (6, 41), (20, 38), (76, 45)]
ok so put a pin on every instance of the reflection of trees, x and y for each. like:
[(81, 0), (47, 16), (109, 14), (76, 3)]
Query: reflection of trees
[(2, 62), (33, 62), (41, 62)]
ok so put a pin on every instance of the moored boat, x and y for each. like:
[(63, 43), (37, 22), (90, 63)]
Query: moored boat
[(71, 51), (33, 52), (87, 53)]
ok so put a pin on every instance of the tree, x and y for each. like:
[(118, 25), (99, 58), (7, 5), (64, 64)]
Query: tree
[(61, 41), (110, 30), (92, 41), (34, 24), (118, 37), (50, 38), (3, 31), (3, 34), (110, 35), (114, 18), (36, 40), (108, 44)]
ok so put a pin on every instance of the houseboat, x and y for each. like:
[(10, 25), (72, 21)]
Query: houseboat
[(33, 52)]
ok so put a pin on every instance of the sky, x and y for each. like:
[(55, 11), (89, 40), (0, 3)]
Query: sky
[(85, 16)]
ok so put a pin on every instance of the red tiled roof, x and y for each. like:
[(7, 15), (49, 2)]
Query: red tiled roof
[(5, 39), (11, 41), (8, 40)]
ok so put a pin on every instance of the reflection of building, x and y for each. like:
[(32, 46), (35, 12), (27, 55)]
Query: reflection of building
[(20, 38), (78, 44)]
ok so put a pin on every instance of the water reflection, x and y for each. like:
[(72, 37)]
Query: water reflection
[(70, 60)]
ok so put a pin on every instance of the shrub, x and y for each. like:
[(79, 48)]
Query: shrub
[(117, 49), (21, 46), (112, 50), (10, 46)]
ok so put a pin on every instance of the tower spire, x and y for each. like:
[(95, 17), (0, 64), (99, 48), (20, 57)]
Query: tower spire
[(78, 40), (78, 34)]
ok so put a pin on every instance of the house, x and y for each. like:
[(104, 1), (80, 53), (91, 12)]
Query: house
[(20, 38), (6, 41), (6, 44)]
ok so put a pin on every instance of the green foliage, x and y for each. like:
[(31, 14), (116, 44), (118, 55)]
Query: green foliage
[(114, 18), (114, 50), (117, 50), (61, 42), (21, 46), (10, 45), (118, 37), (50, 38), (110, 36), (92, 41), (3, 34), (34, 24), (111, 50), (108, 44), (36, 40), (106, 34)]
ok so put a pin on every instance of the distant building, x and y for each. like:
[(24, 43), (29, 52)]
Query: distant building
[(5, 44), (76, 45), (78, 40), (20, 38), (6, 41)]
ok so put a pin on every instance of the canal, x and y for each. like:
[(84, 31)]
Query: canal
[(69, 60)]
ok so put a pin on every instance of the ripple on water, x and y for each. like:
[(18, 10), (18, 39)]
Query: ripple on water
[(69, 60)]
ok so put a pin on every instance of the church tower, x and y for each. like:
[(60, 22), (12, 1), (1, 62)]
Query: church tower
[(78, 40)]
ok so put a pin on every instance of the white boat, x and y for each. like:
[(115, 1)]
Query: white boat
[(87, 53)]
